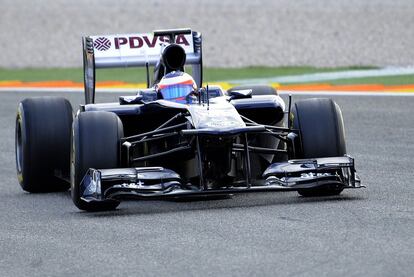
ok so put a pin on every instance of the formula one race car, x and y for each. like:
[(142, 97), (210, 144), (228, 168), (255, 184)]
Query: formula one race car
[(176, 138)]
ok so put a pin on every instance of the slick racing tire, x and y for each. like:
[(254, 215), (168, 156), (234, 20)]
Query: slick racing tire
[(321, 128), (42, 144), (256, 89), (95, 144)]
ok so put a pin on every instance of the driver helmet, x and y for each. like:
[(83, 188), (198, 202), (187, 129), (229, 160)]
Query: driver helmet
[(176, 86)]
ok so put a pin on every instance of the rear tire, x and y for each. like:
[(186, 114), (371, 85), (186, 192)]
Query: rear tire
[(322, 134), (95, 144), (42, 144)]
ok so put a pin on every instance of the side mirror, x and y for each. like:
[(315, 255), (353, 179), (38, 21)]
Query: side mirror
[(239, 94), (128, 100)]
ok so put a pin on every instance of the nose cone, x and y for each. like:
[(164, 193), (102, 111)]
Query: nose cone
[(218, 115)]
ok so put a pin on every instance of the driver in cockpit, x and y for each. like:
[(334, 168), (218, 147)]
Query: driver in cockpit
[(177, 86)]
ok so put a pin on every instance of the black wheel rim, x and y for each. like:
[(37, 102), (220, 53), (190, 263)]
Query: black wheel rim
[(19, 147)]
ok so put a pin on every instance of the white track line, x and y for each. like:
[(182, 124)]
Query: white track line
[(328, 76), (347, 93)]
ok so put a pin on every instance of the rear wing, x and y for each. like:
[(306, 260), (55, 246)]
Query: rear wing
[(136, 50)]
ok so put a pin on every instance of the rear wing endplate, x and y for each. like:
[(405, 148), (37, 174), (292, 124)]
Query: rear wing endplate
[(136, 50)]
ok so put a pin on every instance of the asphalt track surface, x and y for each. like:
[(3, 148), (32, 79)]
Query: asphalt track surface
[(366, 232)]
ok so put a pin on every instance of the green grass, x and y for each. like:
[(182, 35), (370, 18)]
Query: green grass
[(222, 74), (37, 74), (138, 74)]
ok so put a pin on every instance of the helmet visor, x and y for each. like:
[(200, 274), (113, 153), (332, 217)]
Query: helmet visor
[(178, 91)]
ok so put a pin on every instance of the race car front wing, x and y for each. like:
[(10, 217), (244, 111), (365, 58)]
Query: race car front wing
[(162, 183)]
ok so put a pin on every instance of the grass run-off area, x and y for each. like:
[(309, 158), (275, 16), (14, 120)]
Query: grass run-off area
[(137, 75)]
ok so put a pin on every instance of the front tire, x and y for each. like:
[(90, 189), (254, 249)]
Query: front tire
[(321, 128), (42, 144), (95, 144)]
